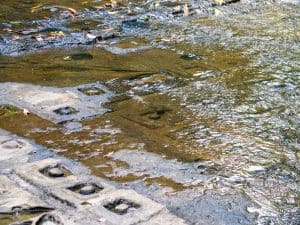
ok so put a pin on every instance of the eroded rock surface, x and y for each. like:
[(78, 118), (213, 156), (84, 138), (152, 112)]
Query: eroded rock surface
[(29, 195), (56, 104)]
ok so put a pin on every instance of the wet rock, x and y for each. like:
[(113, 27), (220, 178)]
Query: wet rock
[(100, 36), (154, 116), (48, 102), (121, 206), (12, 144), (157, 78), (55, 172), (134, 23), (66, 211), (255, 169), (65, 111), (279, 85), (83, 24), (16, 201), (236, 179), (262, 107), (213, 208), (111, 131), (87, 190), (145, 84), (125, 51), (49, 219), (183, 10), (290, 134), (106, 36), (208, 167), (13, 151), (207, 101), (90, 91), (190, 57), (226, 2)]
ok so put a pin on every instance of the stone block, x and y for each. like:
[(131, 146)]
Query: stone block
[(14, 149), (125, 207), (46, 174), (78, 192), (57, 104), (11, 195), (55, 217)]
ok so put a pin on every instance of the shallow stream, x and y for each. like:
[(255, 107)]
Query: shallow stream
[(210, 108)]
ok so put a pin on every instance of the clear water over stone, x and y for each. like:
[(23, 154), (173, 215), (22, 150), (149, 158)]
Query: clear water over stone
[(213, 107)]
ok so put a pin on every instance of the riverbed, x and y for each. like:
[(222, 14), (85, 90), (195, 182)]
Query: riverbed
[(200, 106)]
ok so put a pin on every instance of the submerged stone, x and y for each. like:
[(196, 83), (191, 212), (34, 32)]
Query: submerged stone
[(55, 172), (156, 112), (161, 110), (81, 56), (134, 23), (87, 190), (12, 144), (190, 57), (279, 85), (121, 206), (48, 102), (66, 111), (90, 91), (255, 169), (154, 116)]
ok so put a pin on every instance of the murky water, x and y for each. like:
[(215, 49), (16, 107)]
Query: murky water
[(222, 106)]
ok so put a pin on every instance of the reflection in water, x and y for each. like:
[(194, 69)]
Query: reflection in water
[(231, 115)]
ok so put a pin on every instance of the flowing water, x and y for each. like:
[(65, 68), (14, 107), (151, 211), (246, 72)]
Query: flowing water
[(216, 110)]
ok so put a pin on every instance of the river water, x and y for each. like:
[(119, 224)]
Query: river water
[(210, 105)]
